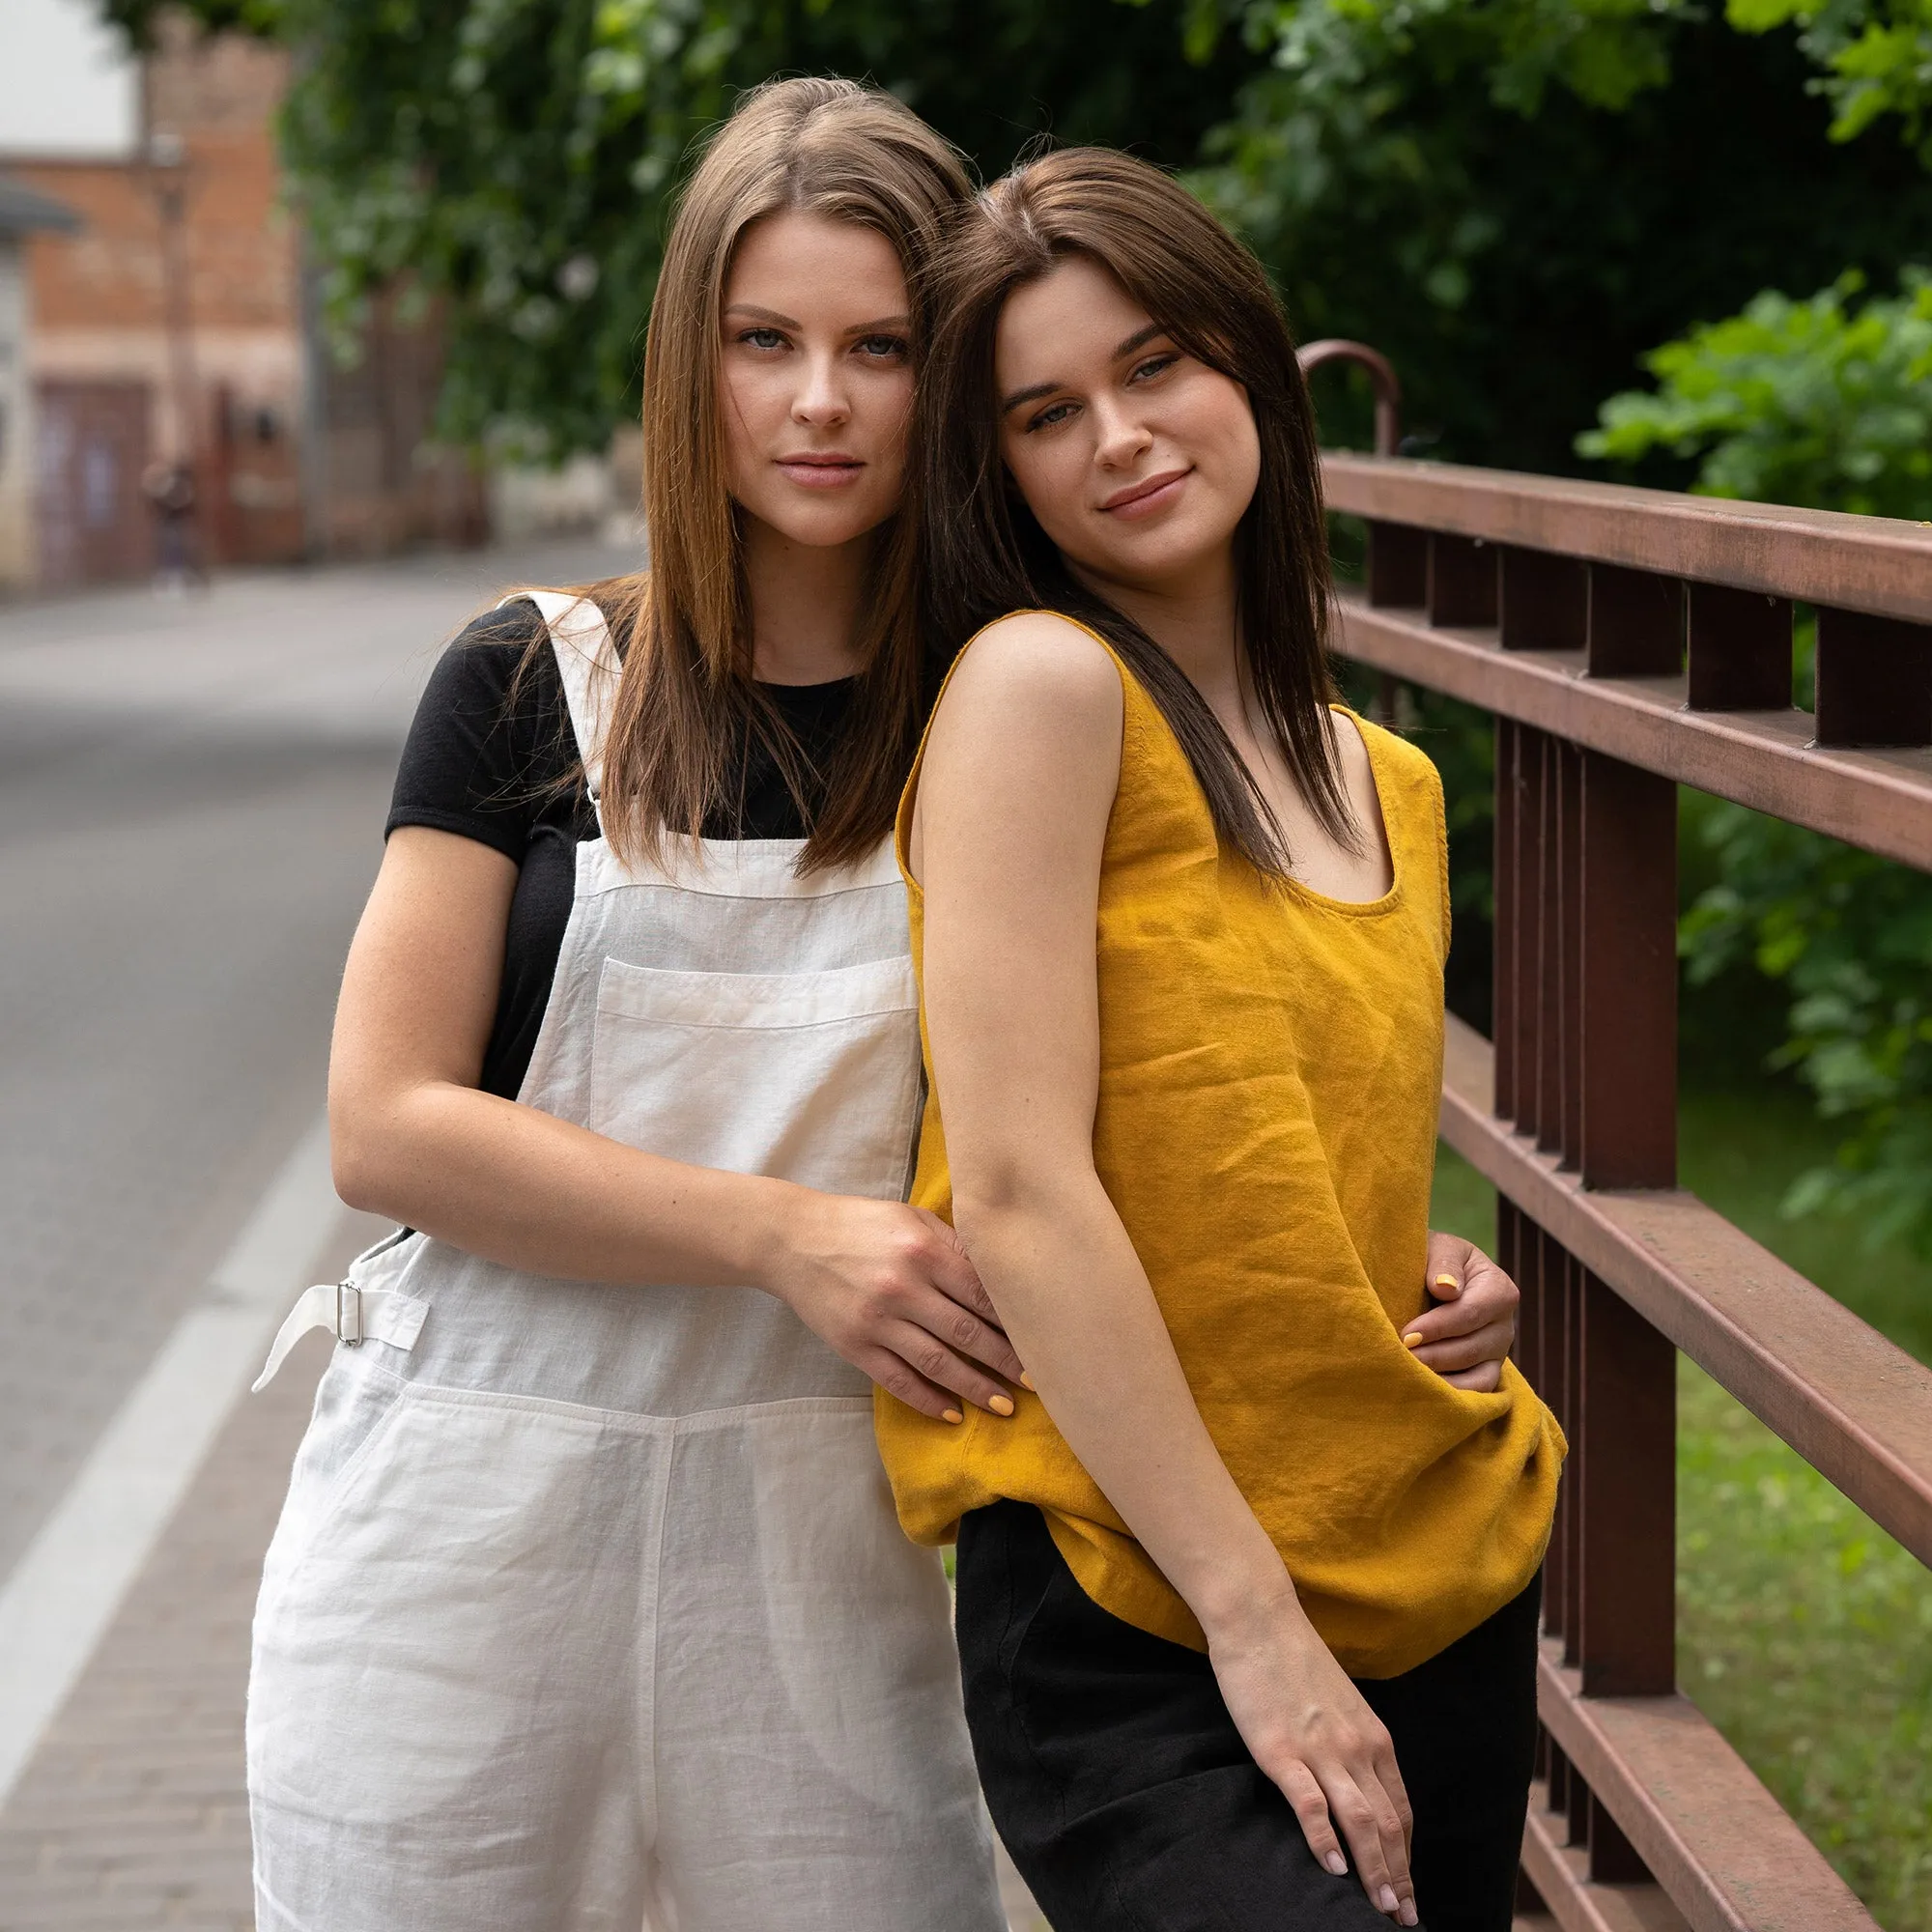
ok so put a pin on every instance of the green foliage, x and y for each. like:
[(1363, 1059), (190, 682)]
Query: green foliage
[(1877, 57), (1511, 199), (516, 158), (1825, 402), (1850, 935), (1804, 1633)]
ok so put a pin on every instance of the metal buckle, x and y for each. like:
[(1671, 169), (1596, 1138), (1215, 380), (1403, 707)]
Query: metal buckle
[(348, 1314)]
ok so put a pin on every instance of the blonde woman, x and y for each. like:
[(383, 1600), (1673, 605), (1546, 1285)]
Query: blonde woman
[(587, 1607)]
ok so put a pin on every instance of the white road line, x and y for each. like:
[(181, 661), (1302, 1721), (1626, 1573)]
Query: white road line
[(68, 1583)]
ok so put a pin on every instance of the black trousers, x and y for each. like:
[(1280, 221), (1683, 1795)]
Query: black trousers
[(1129, 1803)]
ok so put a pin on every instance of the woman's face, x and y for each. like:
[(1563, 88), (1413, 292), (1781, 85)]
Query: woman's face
[(815, 376), (1137, 460)]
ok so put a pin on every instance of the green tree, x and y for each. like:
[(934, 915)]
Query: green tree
[(516, 158), (1513, 199)]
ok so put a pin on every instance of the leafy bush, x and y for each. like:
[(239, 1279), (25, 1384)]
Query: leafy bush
[(1850, 936), (1877, 57), (1825, 401)]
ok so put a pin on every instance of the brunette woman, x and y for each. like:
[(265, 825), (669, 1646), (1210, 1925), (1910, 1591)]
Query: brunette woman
[(1246, 1593), (587, 1607)]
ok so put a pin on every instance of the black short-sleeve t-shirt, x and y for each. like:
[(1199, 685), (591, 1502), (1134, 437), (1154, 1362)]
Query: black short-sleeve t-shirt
[(488, 757)]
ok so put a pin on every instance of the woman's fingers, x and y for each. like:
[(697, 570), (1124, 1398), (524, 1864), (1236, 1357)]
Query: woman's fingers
[(943, 1368), (963, 1315), (963, 1332), (1371, 1808), (1377, 1840), (951, 1268), (1484, 1379), (1472, 1325), (1455, 1352), (1390, 1775), (1304, 1792), (897, 1379)]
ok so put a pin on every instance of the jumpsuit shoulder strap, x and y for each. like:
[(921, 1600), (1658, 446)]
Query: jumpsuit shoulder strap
[(588, 661)]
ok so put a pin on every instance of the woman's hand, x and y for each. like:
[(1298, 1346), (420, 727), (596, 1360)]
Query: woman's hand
[(889, 1286), (1465, 1337), (1313, 1733)]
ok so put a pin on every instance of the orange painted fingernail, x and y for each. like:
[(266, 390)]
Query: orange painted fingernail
[(1000, 1405), (1447, 1281), (1413, 1339), (954, 1415), (1025, 1382)]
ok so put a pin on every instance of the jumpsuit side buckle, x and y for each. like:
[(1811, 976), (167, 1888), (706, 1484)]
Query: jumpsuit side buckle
[(348, 1314)]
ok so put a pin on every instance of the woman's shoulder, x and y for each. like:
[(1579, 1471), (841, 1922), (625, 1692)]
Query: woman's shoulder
[(1032, 671), (1041, 655), (1400, 767), (492, 659), (492, 723), (1033, 703)]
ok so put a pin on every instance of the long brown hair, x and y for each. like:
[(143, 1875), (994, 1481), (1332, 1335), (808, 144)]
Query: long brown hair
[(687, 700), (986, 554)]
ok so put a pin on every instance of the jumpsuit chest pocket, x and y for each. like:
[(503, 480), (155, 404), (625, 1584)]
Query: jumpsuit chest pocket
[(809, 1077)]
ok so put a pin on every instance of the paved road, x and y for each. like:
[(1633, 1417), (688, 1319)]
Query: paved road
[(191, 796)]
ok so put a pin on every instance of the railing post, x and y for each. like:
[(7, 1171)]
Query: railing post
[(1874, 680), (1636, 625), (1397, 566), (1462, 582), (1740, 649), (1626, 1402)]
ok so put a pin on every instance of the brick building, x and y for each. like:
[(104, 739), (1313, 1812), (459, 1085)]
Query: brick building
[(173, 328)]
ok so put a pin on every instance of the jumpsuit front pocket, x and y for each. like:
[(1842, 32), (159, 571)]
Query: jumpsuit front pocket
[(807, 1077), (476, 1553)]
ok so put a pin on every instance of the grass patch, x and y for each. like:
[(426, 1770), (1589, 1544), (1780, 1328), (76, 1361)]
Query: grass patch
[(1804, 1633)]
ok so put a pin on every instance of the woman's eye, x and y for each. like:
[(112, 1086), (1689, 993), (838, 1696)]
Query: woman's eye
[(761, 338), (1054, 412), (884, 347), (1154, 365)]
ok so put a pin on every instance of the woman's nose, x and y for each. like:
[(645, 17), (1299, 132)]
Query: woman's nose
[(823, 400), (1122, 438)]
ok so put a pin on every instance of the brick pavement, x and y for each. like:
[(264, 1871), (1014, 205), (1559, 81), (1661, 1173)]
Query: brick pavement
[(132, 1812)]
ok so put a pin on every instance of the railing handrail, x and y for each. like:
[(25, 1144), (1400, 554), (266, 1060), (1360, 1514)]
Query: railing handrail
[(1628, 641), (1878, 800), (1878, 566)]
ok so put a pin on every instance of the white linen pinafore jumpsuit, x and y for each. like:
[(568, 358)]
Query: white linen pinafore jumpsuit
[(588, 1607)]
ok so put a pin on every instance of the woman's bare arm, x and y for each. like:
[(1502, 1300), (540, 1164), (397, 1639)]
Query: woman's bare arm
[(1018, 785), (413, 1138)]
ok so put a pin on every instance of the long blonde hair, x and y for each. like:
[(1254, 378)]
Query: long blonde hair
[(687, 700)]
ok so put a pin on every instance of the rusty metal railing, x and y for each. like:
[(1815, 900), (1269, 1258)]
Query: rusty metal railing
[(1626, 639)]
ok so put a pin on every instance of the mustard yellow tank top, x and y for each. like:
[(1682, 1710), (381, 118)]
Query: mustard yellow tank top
[(1271, 1068)]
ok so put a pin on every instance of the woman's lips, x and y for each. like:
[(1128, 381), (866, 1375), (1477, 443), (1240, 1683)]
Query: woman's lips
[(820, 473), (1142, 499)]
